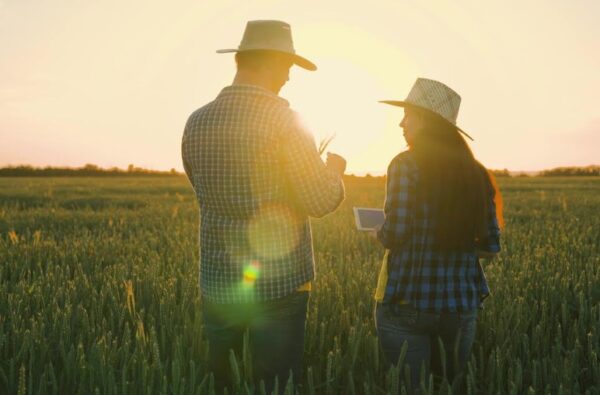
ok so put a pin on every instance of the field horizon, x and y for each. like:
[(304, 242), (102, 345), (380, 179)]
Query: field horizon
[(89, 169)]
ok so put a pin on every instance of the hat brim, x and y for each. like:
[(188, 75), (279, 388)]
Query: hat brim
[(298, 60), (400, 103)]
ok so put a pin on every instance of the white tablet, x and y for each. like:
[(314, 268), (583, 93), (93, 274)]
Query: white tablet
[(368, 218)]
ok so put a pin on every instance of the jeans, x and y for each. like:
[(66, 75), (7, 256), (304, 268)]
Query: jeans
[(276, 338), (397, 324)]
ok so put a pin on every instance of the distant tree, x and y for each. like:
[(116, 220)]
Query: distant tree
[(90, 167), (501, 173), (591, 170)]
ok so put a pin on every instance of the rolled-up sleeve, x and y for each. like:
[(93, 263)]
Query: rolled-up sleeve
[(318, 189), (399, 184)]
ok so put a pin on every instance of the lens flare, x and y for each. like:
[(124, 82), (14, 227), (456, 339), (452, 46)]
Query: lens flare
[(251, 274), (273, 233)]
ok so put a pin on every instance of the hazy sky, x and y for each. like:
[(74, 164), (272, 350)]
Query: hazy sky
[(112, 82)]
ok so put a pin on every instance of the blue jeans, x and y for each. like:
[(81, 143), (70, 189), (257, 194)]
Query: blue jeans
[(276, 338), (397, 324)]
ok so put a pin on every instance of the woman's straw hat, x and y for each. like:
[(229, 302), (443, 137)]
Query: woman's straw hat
[(270, 36), (434, 97)]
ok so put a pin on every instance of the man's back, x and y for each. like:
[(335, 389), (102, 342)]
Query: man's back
[(257, 177)]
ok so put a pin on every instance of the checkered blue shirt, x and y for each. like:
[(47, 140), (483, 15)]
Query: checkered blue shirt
[(257, 177), (418, 274)]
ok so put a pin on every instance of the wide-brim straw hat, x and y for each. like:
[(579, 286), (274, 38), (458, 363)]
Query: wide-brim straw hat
[(269, 35), (433, 97)]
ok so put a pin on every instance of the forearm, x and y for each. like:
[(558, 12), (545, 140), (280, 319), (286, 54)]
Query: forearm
[(391, 234), (318, 188), (326, 198)]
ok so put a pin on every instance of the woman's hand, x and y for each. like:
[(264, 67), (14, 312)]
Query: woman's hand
[(373, 233), (486, 255)]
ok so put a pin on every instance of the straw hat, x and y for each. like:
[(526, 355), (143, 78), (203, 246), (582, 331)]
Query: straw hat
[(434, 97), (270, 36)]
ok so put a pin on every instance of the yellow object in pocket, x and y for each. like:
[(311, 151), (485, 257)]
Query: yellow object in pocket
[(306, 287), (382, 279)]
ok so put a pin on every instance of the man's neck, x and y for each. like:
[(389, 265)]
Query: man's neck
[(247, 78)]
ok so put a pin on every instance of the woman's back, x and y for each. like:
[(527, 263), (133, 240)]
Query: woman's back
[(422, 269)]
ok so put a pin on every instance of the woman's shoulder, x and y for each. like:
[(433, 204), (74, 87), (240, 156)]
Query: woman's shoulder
[(404, 161)]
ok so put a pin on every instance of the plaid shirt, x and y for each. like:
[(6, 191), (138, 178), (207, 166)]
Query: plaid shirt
[(257, 177), (419, 274)]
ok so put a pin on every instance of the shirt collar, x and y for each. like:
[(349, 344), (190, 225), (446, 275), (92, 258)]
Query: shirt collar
[(243, 89)]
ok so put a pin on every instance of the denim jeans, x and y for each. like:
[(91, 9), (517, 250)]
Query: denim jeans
[(397, 324), (276, 338)]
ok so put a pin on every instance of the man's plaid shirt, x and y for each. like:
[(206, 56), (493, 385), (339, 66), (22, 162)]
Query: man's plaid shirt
[(419, 274), (257, 177)]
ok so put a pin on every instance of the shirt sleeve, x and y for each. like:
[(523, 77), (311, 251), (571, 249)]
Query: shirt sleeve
[(186, 165), (396, 208), (491, 242), (317, 189)]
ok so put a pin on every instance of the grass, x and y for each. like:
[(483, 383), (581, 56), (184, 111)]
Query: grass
[(99, 285)]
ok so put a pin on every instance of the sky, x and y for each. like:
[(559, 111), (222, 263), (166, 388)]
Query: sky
[(112, 82)]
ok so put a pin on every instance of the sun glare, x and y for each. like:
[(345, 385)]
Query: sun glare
[(341, 97)]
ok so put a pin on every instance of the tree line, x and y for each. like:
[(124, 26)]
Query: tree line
[(91, 170), (572, 171)]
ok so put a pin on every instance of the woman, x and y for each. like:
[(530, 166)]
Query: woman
[(440, 217)]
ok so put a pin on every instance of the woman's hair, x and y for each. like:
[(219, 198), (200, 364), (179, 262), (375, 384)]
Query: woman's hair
[(453, 183)]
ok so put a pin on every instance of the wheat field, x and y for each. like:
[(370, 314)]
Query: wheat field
[(99, 292)]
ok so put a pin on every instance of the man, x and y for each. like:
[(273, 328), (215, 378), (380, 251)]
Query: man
[(258, 178)]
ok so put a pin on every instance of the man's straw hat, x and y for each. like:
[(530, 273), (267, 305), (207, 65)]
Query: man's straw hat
[(434, 97), (270, 36)]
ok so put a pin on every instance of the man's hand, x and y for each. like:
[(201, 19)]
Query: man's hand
[(336, 163)]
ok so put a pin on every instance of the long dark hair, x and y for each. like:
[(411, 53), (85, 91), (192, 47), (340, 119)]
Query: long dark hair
[(453, 183)]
